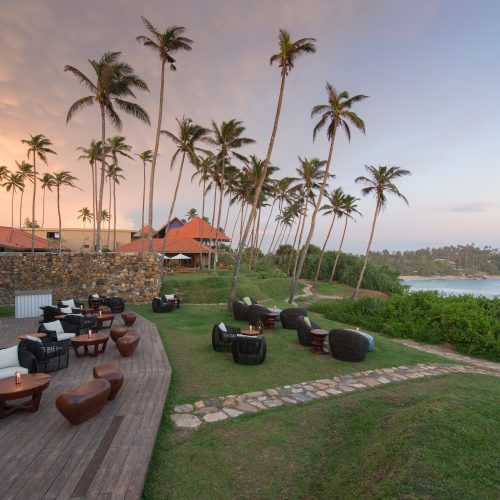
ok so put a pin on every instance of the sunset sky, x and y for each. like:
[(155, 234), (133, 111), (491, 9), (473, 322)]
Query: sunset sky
[(431, 69)]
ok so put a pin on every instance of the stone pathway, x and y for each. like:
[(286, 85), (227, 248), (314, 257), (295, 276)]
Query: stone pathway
[(190, 416), (307, 292)]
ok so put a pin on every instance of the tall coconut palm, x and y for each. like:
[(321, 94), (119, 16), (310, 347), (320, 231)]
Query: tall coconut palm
[(38, 145), (86, 215), (349, 207), (25, 171), (191, 214), (226, 139), (4, 173), (115, 80), (186, 140), (12, 183), (62, 178), (380, 183), (47, 182), (114, 176), (336, 114), (165, 43), (335, 201), (288, 53), (146, 157), (93, 154)]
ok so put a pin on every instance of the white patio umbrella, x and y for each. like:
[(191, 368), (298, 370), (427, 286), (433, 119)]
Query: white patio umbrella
[(165, 257), (180, 256)]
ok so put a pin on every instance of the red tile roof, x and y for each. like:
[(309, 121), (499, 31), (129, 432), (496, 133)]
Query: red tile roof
[(192, 230), (16, 239), (174, 245), (144, 230)]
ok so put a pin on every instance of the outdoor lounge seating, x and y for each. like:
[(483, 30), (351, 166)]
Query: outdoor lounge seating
[(304, 327), (174, 299), (160, 305), (116, 304), (127, 344), (74, 304), (82, 323), (95, 300), (59, 331), (240, 308), (289, 317), (257, 314), (50, 313), (111, 373), (13, 359), (347, 345), (249, 350), (223, 336), (50, 356)]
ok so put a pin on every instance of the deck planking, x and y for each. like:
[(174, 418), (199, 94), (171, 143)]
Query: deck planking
[(44, 457)]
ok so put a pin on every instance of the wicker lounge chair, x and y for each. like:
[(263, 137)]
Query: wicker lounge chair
[(51, 356), (13, 359), (160, 305), (249, 350), (74, 304), (289, 317), (240, 310), (304, 330), (347, 345), (50, 313), (222, 341), (69, 331), (256, 314), (116, 304), (82, 323)]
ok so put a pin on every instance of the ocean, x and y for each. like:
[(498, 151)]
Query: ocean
[(489, 287)]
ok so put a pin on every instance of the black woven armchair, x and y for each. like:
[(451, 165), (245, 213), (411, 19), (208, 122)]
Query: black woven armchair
[(78, 305), (95, 302), (347, 345), (52, 335), (240, 310), (304, 331), (83, 323), (256, 314), (50, 313), (116, 304), (27, 360), (161, 305), (249, 350), (223, 341), (289, 317), (50, 356)]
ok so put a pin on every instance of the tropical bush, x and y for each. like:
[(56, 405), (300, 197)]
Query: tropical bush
[(472, 324)]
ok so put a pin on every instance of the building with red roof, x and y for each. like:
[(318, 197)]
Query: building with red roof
[(17, 240)]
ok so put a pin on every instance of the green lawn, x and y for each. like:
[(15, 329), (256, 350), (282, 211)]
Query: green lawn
[(7, 311)]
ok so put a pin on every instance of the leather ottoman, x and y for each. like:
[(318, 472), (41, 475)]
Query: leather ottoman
[(129, 318), (109, 372), (117, 331), (127, 344)]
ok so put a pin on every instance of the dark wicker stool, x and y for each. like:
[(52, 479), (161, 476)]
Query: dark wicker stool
[(127, 344), (249, 350), (110, 372), (289, 317), (347, 345), (129, 318), (117, 331)]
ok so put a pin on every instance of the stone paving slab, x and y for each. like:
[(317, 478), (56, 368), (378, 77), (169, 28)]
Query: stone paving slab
[(191, 416)]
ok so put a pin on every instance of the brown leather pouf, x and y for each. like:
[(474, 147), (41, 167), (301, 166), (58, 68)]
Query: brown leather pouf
[(110, 372), (129, 318), (128, 343), (83, 402), (117, 331)]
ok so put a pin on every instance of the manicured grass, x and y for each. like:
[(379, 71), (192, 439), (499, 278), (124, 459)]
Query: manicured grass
[(432, 438), (7, 311)]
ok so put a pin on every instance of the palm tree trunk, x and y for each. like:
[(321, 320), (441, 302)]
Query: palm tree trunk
[(59, 217), (94, 203), (43, 208), (361, 274), (20, 209), (143, 204), (294, 242), (153, 163), (101, 185), (240, 211), (243, 218), (317, 206), (221, 195), (339, 251), (227, 215), (12, 210), (324, 246), (109, 212), (296, 261), (267, 223), (212, 223), (277, 230), (254, 256), (200, 224), (33, 206), (114, 212), (239, 255), (164, 245)]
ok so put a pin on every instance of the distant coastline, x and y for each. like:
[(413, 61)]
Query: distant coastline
[(448, 277)]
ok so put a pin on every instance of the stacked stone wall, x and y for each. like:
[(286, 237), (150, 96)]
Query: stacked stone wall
[(134, 277)]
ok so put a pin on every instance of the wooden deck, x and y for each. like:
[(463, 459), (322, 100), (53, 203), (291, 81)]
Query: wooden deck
[(43, 456)]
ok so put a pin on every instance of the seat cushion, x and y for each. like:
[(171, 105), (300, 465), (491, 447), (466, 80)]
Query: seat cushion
[(66, 310), (11, 371), (307, 321), (69, 303), (371, 342), (247, 301), (34, 339), (54, 326), (8, 357), (169, 296), (222, 327), (64, 336)]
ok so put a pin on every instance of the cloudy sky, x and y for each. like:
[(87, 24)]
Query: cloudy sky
[(430, 68)]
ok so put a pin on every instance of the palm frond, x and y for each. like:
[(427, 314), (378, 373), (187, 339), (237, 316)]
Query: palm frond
[(78, 105)]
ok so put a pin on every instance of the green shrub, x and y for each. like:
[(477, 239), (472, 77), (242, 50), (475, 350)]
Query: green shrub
[(472, 324)]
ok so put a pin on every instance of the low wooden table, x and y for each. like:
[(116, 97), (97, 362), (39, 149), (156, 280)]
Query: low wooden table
[(270, 319), (101, 318), (250, 333), (319, 336), (60, 317), (85, 341), (32, 384), (38, 335)]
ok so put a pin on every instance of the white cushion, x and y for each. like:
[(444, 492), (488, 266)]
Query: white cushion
[(222, 327), (11, 371), (54, 326), (307, 321), (65, 336), (66, 310), (95, 296), (8, 357), (169, 296), (34, 339), (69, 303), (247, 301)]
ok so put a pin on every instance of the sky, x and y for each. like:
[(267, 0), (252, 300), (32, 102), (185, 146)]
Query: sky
[(429, 67)]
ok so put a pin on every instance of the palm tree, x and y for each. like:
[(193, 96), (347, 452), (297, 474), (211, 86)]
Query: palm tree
[(191, 214), (62, 178), (189, 135), (146, 157), (4, 173), (334, 206), (349, 207), (47, 182), (25, 171), (288, 53), (336, 114), (39, 147), (86, 215), (115, 80), (93, 154), (381, 183), (165, 44), (14, 181)]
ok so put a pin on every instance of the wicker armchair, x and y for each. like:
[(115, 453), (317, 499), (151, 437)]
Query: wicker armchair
[(116, 304), (95, 302), (222, 341), (289, 317), (50, 356), (25, 363), (77, 303), (249, 350), (256, 314), (347, 345), (83, 323), (176, 301), (50, 313), (70, 330), (240, 310), (161, 305), (304, 331)]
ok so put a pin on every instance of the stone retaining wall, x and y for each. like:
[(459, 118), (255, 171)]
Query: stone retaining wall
[(134, 277)]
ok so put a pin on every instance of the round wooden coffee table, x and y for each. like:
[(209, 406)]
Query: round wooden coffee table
[(250, 333), (101, 318), (38, 335), (318, 338), (32, 384), (270, 319), (96, 340)]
